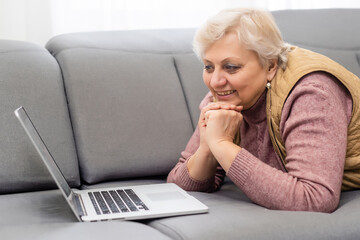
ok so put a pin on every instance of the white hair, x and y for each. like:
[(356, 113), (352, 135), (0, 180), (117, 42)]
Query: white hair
[(256, 29)]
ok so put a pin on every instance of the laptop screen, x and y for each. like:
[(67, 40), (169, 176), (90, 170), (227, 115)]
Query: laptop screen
[(43, 150)]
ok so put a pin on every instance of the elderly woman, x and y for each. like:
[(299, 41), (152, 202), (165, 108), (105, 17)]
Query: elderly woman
[(281, 122)]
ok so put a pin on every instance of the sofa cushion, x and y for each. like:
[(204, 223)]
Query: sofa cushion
[(159, 41), (233, 216), (31, 77), (190, 69), (46, 215), (34, 208), (128, 110), (327, 28), (82, 231), (331, 32), (125, 183)]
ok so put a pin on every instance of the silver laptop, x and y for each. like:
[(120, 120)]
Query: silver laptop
[(127, 203)]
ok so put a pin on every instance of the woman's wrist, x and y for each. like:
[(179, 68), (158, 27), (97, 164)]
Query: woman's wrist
[(225, 152), (202, 165)]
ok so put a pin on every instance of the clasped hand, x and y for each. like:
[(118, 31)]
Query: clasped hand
[(218, 125), (219, 122)]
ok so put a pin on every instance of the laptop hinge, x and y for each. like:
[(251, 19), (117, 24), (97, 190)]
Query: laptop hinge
[(78, 203)]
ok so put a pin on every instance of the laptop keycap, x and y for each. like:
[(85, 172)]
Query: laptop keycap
[(110, 202), (102, 204), (118, 201), (136, 199), (127, 200), (94, 203)]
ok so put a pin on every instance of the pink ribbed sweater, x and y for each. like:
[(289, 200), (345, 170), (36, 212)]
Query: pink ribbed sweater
[(314, 128)]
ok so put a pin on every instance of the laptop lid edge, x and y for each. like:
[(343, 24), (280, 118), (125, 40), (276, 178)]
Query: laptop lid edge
[(48, 160)]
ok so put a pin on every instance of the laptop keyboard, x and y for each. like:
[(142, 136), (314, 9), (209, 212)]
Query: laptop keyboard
[(116, 201)]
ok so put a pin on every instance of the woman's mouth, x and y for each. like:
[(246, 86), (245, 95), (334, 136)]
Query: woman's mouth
[(225, 93)]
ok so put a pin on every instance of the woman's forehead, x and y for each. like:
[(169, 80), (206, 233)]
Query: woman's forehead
[(228, 46)]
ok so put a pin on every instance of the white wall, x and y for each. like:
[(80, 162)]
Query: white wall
[(38, 20), (25, 20)]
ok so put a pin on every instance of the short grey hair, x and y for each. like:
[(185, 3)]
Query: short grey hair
[(256, 29)]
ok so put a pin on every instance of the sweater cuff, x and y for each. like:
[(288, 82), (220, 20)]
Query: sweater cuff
[(190, 184), (241, 167)]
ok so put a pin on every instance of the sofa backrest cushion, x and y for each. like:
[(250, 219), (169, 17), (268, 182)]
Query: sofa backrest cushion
[(332, 32), (31, 77), (126, 100), (190, 71)]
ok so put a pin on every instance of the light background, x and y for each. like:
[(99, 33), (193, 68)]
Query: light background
[(38, 20)]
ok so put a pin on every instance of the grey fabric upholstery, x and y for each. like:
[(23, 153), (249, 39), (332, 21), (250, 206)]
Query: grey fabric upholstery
[(109, 80), (31, 77), (145, 41), (190, 68), (82, 231), (34, 208), (118, 113), (46, 215), (121, 106), (233, 216), (332, 32)]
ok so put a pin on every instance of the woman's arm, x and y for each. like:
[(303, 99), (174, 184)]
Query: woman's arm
[(197, 170), (181, 175), (314, 128)]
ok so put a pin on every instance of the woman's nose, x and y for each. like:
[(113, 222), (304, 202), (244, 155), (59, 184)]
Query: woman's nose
[(217, 80)]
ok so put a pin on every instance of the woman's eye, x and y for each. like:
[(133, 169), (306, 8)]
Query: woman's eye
[(231, 68), (208, 68)]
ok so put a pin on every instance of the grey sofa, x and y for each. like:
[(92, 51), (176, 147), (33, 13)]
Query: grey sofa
[(117, 108)]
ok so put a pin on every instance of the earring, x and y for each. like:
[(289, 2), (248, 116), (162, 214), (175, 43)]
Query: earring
[(268, 85)]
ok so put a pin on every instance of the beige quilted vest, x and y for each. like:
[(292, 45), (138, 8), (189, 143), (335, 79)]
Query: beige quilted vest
[(302, 62)]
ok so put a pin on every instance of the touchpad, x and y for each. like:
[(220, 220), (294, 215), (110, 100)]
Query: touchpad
[(165, 196)]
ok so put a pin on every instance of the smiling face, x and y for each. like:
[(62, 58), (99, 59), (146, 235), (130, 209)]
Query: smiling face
[(233, 73)]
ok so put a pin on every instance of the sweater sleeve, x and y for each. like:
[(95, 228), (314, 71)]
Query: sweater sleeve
[(180, 174), (313, 126)]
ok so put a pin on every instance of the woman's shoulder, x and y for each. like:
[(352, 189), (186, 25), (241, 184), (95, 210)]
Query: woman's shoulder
[(322, 81), (319, 88)]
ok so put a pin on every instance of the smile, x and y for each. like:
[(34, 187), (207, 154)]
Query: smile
[(225, 93)]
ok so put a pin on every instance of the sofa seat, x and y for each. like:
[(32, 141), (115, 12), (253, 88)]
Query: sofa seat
[(46, 215), (82, 231), (34, 208), (233, 216)]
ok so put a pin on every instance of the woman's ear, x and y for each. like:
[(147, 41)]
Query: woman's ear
[(272, 68)]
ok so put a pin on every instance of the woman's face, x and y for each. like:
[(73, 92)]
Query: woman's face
[(234, 74)]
